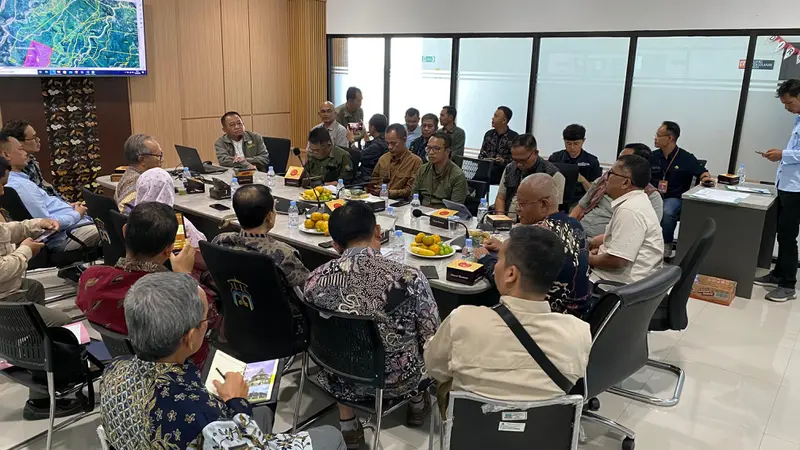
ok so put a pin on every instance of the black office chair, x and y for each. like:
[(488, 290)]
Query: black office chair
[(99, 207), (350, 346), (117, 344), (619, 325), (474, 168), (46, 259), (476, 190), (27, 344), (570, 173), (278, 149), (262, 317), (118, 221), (671, 314), (476, 423)]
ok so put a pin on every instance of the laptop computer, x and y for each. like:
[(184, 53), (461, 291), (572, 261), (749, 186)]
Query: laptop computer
[(191, 159)]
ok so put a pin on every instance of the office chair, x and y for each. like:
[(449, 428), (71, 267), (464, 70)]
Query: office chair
[(619, 324), (473, 423), (474, 168), (476, 190), (278, 149), (117, 344), (112, 243)]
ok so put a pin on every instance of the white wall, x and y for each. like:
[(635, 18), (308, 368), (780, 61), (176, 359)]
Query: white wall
[(476, 16)]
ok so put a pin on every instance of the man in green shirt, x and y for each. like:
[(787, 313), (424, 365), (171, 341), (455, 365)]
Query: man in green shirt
[(350, 111), (326, 160), (447, 118), (440, 178)]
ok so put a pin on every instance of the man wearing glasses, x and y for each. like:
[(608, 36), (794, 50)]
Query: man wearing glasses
[(142, 152), (632, 246), (524, 161), (22, 131), (440, 178)]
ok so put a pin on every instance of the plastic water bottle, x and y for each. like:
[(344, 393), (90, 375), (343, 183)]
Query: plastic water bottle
[(467, 251), (398, 247), (415, 201), (483, 209), (234, 186), (294, 216), (385, 196), (740, 173), (340, 185), (186, 173), (271, 177)]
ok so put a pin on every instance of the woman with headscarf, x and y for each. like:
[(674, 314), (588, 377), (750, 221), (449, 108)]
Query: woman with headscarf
[(156, 185)]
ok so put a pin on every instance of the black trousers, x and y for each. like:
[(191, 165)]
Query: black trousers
[(788, 228)]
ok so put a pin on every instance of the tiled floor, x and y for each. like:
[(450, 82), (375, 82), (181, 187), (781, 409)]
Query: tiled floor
[(742, 390)]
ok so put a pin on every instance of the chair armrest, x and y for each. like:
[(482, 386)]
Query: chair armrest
[(75, 238), (597, 292)]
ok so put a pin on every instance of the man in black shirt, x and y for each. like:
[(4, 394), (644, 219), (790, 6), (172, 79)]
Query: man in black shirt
[(375, 148), (430, 124), (672, 170), (497, 143), (588, 165)]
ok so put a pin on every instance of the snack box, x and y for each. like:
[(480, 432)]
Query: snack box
[(464, 272), (500, 222), (439, 218)]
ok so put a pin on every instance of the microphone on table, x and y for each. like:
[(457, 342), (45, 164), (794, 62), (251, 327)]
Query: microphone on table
[(418, 213)]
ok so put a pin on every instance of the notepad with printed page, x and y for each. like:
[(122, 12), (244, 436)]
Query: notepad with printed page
[(261, 376)]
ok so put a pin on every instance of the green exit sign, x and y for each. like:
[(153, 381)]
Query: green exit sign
[(429, 59)]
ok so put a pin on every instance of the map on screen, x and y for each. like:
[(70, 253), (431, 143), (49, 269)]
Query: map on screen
[(76, 37)]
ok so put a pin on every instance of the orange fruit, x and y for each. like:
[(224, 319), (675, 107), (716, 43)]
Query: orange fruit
[(427, 240), (437, 239), (419, 237)]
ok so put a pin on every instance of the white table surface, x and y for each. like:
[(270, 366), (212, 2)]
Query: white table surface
[(752, 201), (198, 204)]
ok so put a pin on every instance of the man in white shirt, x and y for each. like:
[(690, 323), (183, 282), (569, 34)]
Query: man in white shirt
[(475, 348), (340, 136), (633, 246)]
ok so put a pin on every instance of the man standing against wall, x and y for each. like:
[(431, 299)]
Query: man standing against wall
[(457, 136), (588, 165), (497, 143), (430, 125), (784, 276), (412, 126), (350, 111)]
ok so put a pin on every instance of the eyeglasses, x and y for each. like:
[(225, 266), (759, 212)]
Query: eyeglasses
[(611, 172), (523, 205), (662, 135), (160, 156), (210, 317), (35, 138), (430, 149), (523, 161)]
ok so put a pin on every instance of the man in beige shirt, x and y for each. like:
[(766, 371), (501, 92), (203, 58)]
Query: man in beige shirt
[(632, 246), (480, 354)]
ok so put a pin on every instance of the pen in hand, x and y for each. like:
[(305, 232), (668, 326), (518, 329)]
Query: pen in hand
[(220, 373)]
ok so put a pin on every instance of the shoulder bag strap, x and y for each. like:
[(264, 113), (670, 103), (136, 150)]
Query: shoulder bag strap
[(533, 349)]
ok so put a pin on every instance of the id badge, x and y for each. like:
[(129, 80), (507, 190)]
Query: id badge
[(662, 186)]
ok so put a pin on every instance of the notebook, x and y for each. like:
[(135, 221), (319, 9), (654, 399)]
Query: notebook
[(262, 376)]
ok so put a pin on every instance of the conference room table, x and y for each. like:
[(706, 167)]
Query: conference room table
[(745, 236), (211, 222)]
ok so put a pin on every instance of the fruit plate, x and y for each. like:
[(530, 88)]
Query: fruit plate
[(314, 200), (310, 230), (431, 257)]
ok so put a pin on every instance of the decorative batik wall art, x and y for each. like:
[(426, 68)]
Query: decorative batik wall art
[(71, 118)]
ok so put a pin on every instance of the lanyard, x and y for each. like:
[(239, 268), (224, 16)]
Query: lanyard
[(677, 149)]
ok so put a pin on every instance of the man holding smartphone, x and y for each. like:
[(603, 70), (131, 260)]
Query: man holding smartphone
[(784, 276)]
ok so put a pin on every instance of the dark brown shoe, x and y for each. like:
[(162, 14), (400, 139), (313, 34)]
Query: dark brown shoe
[(415, 417), (354, 438)]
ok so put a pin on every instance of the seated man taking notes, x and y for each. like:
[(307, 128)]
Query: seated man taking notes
[(440, 178), (475, 348), (632, 246), (239, 148), (327, 161), (397, 168)]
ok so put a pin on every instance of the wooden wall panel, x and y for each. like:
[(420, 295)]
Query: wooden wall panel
[(155, 102), (236, 48), (200, 56), (202, 134), (269, 41), (308, 65)]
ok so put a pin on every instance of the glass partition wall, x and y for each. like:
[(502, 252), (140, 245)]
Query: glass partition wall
[(719, 86)]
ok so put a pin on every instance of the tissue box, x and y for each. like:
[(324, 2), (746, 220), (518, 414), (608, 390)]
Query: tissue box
[(293, 175), (464, 272), (439, 218), (713, 289), (500, 222), (728, 178)]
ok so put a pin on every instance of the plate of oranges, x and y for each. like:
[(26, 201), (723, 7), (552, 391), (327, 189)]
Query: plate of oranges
[(430, 246), (316, 223)]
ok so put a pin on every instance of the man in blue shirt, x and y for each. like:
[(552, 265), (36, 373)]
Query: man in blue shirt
[(43, 206), (784, 276)]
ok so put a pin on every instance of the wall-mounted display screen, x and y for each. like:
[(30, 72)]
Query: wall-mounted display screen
[(72, 38)]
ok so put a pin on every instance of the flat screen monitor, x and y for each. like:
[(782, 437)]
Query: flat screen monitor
[(72, 38)]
